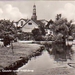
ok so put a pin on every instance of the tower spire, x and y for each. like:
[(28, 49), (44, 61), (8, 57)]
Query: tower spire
[(34, 17)]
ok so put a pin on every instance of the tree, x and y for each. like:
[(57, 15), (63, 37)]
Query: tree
[(42, 29), (36, 31), (49, 22), (37, 34), (6, 27), (62, 26), (58, 16)]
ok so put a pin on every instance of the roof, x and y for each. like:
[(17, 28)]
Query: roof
[(25, 23), (43, 20), (20, 20), (38, 22)]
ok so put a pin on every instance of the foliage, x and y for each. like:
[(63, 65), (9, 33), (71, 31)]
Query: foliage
[(6, 27), (50, 22), (36, 31), (72, 29), (41, 27), (61, 26), (37, 34)]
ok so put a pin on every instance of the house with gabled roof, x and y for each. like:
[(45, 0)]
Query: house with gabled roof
[(31, 24), (27, 25)]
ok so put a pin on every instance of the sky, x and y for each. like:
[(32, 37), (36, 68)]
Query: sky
[(45, 9)]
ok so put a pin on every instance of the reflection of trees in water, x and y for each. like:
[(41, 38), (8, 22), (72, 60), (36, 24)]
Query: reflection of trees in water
[(61, 52)]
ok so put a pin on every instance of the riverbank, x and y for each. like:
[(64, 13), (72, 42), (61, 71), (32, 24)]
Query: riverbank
[(48, 67), (21, 53)]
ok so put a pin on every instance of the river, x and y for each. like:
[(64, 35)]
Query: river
[(43, 64)]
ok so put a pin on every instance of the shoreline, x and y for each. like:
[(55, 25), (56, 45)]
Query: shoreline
[(22, 59)]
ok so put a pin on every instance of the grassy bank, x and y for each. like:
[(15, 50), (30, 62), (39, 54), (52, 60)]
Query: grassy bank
[(21, 53)]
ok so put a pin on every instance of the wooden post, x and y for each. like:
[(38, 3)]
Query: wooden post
[(12, 47)]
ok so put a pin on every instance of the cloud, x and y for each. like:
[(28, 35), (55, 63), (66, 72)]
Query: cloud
[(67, 11), (10, 12)]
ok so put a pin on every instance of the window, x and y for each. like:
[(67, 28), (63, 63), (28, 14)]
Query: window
[(29, 23), (21, 23)]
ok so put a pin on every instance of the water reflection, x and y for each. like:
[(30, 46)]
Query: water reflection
[(54, 54), (60, 52), (43, 64)]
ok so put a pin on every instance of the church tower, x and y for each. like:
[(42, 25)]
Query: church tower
[(34, 17)]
